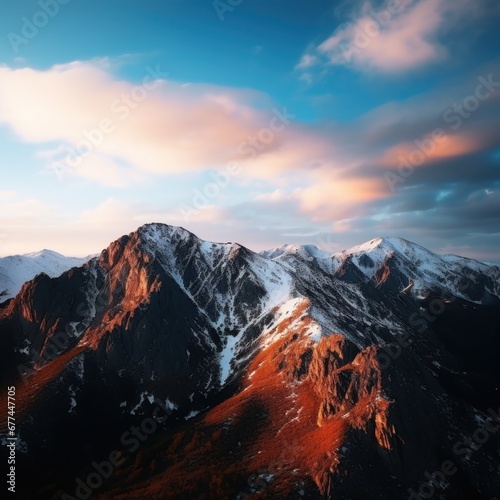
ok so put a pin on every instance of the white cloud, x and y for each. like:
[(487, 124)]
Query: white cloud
[(306, 61), (88, 123)]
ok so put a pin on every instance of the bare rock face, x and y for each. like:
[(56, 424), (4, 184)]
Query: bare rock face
[(287, 374)]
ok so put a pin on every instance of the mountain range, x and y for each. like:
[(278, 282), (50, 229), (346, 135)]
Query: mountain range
[(290, 373), (16, 270)]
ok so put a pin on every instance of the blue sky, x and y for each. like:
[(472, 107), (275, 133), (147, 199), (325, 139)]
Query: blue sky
[(259, 122)]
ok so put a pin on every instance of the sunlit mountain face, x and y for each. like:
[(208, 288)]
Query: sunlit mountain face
[(173, 367)]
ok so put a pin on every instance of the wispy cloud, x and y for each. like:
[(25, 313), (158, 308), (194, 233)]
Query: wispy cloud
[(396, 37)]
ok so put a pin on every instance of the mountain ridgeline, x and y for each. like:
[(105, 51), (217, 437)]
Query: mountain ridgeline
[(291, 373)]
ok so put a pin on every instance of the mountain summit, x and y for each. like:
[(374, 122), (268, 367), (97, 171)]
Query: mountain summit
[(284, 374)]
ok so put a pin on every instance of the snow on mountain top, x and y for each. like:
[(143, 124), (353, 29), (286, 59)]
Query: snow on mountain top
[(160, 230), (392, 245), (162, 235), (44, 254), (368, 246), (16, 270), (388, 246), (411, 262), (428, 270), (167, 238), (383, 246), (304, 251), (414, 261)]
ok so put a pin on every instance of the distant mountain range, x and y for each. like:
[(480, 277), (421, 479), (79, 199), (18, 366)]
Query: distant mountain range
[(290, 373), (18, 269)]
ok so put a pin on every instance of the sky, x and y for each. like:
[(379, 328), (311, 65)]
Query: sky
[(265, 123)]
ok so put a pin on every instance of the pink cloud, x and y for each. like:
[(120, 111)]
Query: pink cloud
[(430, 149), (395, 37)]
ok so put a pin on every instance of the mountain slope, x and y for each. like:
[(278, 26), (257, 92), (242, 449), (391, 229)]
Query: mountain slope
[(18, 269), (283, 374)]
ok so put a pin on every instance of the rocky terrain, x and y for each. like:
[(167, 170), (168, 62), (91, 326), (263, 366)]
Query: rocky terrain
[(292, 373)]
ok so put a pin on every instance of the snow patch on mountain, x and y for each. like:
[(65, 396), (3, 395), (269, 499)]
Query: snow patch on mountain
[(276, 282), (227, 355)]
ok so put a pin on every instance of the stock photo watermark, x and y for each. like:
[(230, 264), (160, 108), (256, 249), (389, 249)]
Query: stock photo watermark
[(121, 108), (38, 20), (463, 449), (55, 345), (131, 441), (455, 116), (11, 438), (420, 322), (371, 28), (249, 148), (221, 7)]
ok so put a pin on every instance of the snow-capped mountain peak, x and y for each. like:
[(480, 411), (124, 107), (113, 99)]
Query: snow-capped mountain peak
[(429, 271)]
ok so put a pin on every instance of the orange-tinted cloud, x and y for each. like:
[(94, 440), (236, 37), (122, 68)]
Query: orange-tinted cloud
[(429, 149), (337, 199)]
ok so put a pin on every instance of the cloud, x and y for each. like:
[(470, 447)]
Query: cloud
[(306, 61), (399, 36), (88, 123), (337, 199), (7, 195), (297, 180), (158, 126), (427, 150)]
